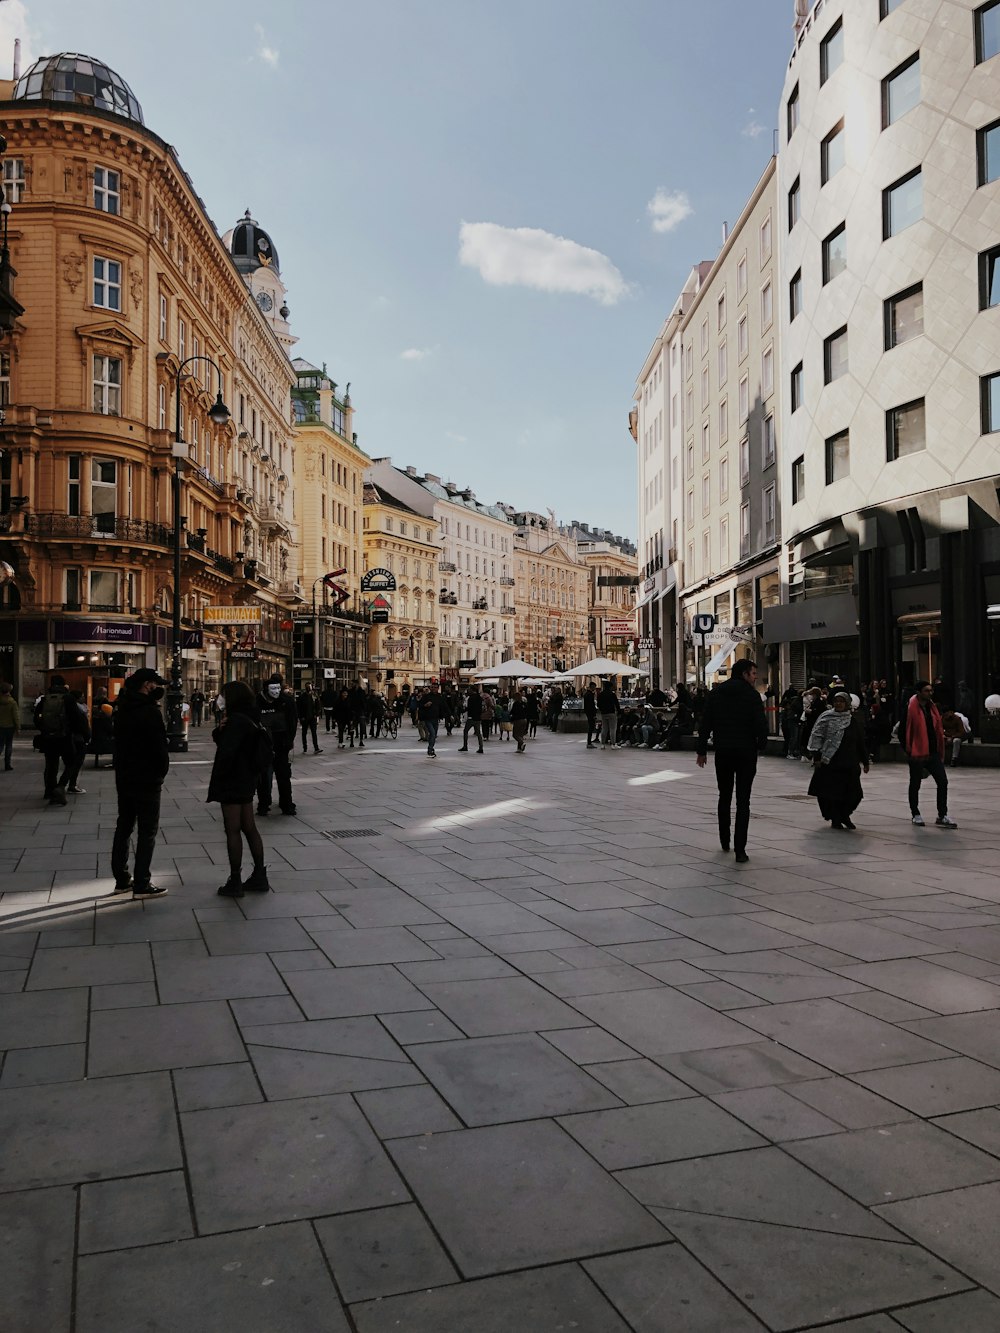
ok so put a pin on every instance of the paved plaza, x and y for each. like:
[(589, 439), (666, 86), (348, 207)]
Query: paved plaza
[(529, 1053)]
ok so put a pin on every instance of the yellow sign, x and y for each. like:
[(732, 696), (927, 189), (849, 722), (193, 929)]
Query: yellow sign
[(231, 615)]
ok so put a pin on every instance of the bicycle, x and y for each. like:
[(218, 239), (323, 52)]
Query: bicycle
[(390, 726)]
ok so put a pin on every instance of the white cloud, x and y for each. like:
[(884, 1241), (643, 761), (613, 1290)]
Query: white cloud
[(15, 22), (415, 353), (668, 209), (459, 439), (265, 52), (530, 257), (753, 129)]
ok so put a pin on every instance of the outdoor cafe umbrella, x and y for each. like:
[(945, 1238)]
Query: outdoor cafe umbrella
[(514, 668), (604, 666)]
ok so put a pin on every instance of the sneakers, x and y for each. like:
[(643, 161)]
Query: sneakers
[(124, 887), (480, 750), (320, 751), (289, 810), (463, 749), (431, 754), (150, 891), (256, 881), (945, 821), (848, 825), (77, 791), (232, 888), (58, 797), (918, 820), (741, 858)]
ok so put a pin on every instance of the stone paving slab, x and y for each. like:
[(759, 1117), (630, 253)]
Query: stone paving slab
[(538, 1056)]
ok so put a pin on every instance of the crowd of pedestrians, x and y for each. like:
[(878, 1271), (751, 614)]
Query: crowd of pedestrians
[(837, 731)]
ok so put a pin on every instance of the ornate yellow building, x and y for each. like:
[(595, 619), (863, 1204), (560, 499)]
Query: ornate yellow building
[(403, 542), (331, 636), (550, 629), (123, 278)]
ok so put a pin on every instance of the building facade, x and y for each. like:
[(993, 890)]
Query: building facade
[(889, 181), (404, 543), (731, 353), (551, 586), (331, 635), (127, 290), (612, 569), (475, 579)]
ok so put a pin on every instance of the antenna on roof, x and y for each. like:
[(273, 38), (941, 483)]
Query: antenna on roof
[(17, 58)]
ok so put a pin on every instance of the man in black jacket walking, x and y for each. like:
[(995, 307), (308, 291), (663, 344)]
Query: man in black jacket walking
[(141, 764), (59, 722), (473, 719), (734, 715)]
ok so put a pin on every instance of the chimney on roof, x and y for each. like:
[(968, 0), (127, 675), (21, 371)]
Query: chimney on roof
[(411, 471), (429, 476)]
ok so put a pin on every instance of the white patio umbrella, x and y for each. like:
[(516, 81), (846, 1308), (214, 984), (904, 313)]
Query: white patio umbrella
[(515, 668), (604, 666)]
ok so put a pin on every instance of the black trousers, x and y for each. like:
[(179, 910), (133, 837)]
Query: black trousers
[(328, 715), (281, 770), (54, 750), (308, 729), (935, 768), (140, 808), (593, 728), (735, 768)]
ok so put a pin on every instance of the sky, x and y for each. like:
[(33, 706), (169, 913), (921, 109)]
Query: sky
[(483, 209)]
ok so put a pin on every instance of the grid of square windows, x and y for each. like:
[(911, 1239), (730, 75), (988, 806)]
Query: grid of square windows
[(990, 389), (904, 316), (795, 296), (798, 479), (905, 430), (838, 457), (989, 278), (987, 31), (835, 253), (794, 203), (835, 356), (988, 153), (831, 51), (831, 156), (902, 203), (793, 111), (901, 90)]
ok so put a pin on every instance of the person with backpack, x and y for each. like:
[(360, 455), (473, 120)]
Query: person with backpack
[(81, 739), (59, 722), (10, 723), (243, 752), (141, 764), (279, 717)]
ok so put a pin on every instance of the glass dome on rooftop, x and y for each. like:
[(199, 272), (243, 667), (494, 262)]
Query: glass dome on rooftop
[(70, 77)]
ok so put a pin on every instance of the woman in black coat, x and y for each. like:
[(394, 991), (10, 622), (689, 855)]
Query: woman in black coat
[(241, 742)]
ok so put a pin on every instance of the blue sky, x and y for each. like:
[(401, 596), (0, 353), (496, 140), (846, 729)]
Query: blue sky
[(483, 211)]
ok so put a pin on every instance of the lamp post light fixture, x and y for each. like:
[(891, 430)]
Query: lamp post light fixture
[(219, 414)]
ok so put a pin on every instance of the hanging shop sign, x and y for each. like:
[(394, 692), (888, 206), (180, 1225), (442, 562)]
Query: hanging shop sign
[(619, 629), (231, 615), (378, 580)]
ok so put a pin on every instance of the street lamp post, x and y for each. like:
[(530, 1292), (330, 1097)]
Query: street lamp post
[(219, 414)]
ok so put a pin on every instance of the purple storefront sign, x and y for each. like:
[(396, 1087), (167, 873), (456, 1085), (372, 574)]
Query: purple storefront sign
[(101, 631)]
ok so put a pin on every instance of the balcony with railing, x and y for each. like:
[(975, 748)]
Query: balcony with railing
[(98, 527), (480, 604), (506, 582), (271, 516), (507, 611), (447, 598), (447, 566)]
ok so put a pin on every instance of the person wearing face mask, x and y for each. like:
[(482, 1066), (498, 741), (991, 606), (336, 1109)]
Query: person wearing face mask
[(279, 717), (141, 764)]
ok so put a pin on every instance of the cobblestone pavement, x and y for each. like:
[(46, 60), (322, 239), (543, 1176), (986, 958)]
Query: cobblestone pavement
[(529, 1053)]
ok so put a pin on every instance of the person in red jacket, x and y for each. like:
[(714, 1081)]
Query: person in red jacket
[(923, 740)]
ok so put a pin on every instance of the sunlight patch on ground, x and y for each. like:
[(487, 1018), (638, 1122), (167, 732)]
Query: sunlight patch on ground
[(663, 775), (481, 814)]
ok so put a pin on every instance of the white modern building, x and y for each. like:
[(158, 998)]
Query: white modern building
[(889, 246), (730, 509)]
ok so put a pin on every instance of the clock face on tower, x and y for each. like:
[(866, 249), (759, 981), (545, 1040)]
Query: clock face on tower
[(265, 302)]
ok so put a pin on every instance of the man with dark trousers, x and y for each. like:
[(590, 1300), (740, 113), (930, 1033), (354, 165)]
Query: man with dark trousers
[(278, 715), (734, 716), (59, 722), (590, 709), (307, 713), (473, 719), (328, 702), (141, 764), (429, 713)]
